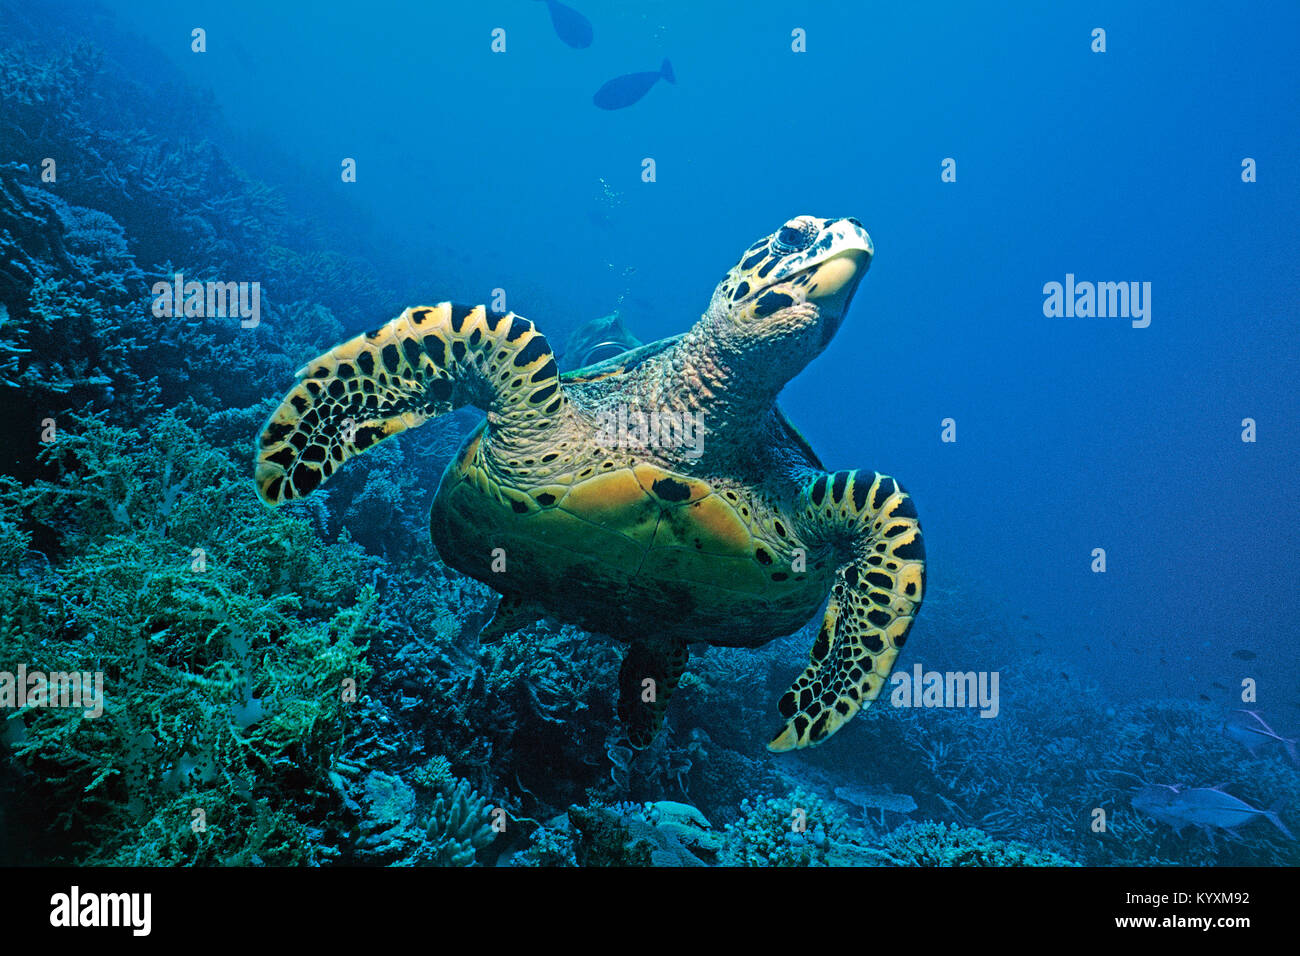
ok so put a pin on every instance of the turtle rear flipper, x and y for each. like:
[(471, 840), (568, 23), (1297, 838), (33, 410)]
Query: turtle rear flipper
[(873, 601), (424, 363), (646, 682)]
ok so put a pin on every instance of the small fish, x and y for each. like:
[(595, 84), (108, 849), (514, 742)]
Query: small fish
[(1203, 696), (1215, 683), (1253, 732), (570, 25), (867, 800), (1244, 655), (623, 91), (876, 799), (1205, 807)]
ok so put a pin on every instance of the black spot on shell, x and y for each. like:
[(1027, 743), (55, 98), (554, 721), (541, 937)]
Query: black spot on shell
[(762, 555), (671, 490), (546, 498), (440, 389), (518, 506), (366, 362), (543, 393), (390, 357), (741, 291), (458, 350)]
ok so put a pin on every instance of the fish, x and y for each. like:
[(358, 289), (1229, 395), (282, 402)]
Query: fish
[(867, 800), (570, 25), (1253, 732), (623, 91), (1208, 808), (873, 799), (1203, 696), (1242, 655), (1215, 683)]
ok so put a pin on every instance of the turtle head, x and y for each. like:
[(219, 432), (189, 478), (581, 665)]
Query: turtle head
[(793, 287)]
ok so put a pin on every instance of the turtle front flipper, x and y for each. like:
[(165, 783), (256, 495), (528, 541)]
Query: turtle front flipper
[(646, 682), (424, 363), (875, 597)]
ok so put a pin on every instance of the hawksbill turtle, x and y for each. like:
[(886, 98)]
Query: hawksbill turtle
[(659, 497)]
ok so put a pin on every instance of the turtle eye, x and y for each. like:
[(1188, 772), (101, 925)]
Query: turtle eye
[(795, 236)]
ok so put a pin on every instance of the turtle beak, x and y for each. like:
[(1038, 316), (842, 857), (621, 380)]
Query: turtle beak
[(835, 280)]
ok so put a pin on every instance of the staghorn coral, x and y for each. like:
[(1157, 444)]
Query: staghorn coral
[(938, 844)]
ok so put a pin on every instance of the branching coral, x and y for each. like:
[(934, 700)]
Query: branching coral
[(228, 654)]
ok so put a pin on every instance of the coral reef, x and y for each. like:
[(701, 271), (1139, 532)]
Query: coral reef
[(306, 686)]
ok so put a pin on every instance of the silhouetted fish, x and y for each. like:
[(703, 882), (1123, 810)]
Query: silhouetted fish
[(1253, 732), (1204, 807), (625, 90), (570, 25), (1244, 655)]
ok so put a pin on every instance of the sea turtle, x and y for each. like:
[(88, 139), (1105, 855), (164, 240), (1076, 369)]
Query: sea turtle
[(660, 497)]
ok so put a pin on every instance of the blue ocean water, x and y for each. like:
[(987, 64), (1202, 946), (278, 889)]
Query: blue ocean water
[(989, 151)]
